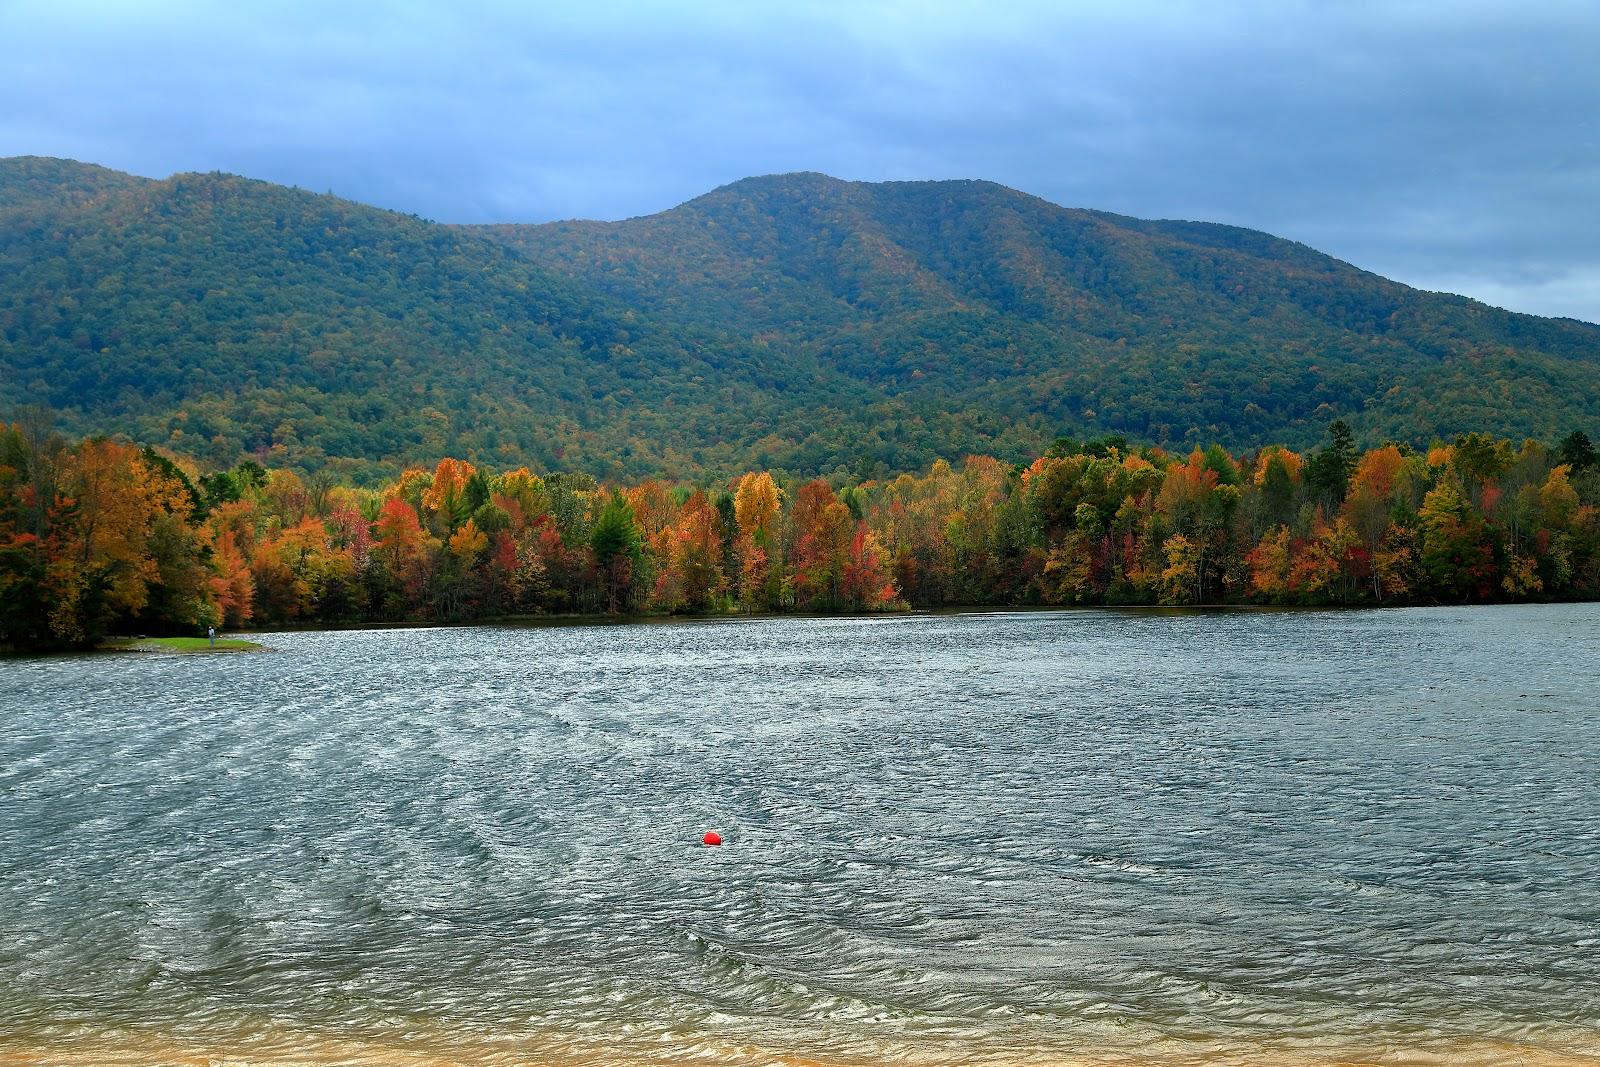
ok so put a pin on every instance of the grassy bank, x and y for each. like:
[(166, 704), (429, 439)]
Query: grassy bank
[(181, 644)]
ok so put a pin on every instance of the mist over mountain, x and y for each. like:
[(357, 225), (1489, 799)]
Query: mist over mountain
[(792, 321)]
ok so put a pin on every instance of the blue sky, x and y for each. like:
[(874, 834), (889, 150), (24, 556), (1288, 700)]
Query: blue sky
[(1450, 145)]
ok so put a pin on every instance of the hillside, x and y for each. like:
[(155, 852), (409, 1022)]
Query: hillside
[(971, 295), (793, 321), (226, 316)]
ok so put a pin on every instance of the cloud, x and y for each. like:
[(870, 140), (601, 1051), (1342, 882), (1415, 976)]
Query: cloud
[(1435, 143)]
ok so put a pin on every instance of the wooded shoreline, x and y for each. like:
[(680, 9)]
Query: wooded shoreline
[(100, 537)]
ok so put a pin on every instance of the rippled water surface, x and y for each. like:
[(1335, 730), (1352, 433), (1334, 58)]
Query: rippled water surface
[(1053, 837)]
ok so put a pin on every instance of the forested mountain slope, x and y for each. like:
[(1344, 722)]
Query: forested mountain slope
[(795, 322), (226, 316), (971, 295)]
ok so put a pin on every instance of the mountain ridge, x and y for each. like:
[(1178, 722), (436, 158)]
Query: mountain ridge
[(796, 321)]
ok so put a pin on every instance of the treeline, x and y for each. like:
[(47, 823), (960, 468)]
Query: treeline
[(103, 537)]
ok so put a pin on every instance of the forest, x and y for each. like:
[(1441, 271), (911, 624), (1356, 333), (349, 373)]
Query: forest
[(848, 329), (101, 536)]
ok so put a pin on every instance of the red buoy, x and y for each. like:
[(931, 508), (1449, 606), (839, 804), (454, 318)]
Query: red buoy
[(713, 838)]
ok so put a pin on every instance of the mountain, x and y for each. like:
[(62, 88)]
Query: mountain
[(968, 295), (792, 321), (221, 315)]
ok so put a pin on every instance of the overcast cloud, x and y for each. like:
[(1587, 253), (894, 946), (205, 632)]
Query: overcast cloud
[(1449, 145)]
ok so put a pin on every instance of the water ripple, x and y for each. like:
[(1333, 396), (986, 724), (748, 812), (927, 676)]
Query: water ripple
[(1082, 837)]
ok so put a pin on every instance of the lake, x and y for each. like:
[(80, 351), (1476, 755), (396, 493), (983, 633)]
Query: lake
[(1052, 837)]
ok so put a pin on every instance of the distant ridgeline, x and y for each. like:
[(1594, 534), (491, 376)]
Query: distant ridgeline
[(104, 537), (794, 323)]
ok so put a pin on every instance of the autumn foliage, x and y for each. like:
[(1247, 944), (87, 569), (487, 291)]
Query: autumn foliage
[(103, 537)]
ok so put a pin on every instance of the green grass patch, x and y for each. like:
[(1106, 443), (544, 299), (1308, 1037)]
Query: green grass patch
[(186, 644)]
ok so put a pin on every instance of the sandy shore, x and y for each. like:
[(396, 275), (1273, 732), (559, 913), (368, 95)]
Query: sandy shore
[(141, 1051)]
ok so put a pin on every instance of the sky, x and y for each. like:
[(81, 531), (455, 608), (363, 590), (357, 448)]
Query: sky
[(1450, 145)]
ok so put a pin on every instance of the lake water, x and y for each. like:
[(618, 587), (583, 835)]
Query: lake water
[(1097, 836)]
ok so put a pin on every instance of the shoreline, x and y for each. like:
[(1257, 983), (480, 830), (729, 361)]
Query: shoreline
[(119, 643), (555, 1050), (180, 646), (581, 619)]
